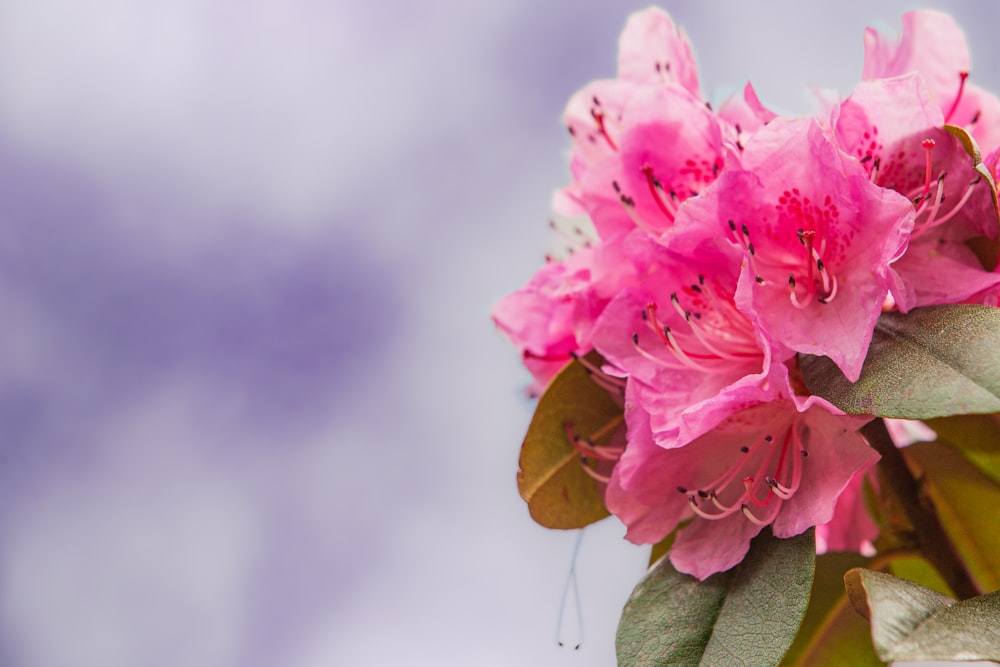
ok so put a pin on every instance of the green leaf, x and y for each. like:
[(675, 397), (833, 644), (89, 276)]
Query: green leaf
[(913, 623), (918, 570), (966, 502), (831, 633), (844, 639), (976, 436), (931, 362), (559, 493), (745, 616)]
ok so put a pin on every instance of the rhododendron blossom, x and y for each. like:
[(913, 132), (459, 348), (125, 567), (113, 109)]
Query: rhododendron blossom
[(934, 45), (817, 238), (688, 352), (712, 255), (768, 464), (896, 132)]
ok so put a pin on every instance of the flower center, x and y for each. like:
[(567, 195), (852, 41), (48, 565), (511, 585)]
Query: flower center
[(711, 330), (762, 475), (809, 277)]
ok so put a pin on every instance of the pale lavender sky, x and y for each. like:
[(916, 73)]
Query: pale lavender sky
[(252, 409)]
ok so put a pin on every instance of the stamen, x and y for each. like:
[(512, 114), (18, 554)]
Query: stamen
[(629, 204), (801, 305), (596, 373), (768, 518), (598, 114), (934, 222), (780, 486), (665, 362), (655, 188), (748, 484), (667, 336), (962, 76), (703, 335), (603, 479), (933, 208), (709, 515), (928, 145), (831, 291), (588, 448)]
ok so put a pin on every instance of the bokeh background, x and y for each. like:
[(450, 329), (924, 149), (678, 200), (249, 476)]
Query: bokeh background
[(252, 409)]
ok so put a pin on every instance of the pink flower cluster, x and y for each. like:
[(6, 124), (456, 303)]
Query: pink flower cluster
[(707, 248)]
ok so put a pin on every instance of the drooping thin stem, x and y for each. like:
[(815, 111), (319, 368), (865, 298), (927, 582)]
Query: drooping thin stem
[(935, 545)]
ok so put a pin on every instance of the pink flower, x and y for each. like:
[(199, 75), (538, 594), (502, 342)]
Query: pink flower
[(670, 150), (652, 53), (768, 464), (644, 142), (690, 356), (934, 45), (743, 115), (817, 237), (553, 316), (894, 129), (652, 50), (852, 527), (548, 318)]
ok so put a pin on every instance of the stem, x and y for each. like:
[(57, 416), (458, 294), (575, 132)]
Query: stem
[(935, 545)]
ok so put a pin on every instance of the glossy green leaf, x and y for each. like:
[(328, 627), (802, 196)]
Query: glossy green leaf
[(913, 623), (746, 616), (931, 362), (918, 570), (844, 639), (831, 633), (559, 493), (976, 436), (966, 501)]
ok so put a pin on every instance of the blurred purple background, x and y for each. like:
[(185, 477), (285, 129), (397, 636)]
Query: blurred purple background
[(252, 409)]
